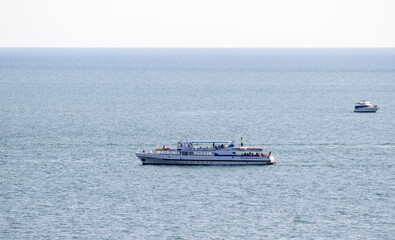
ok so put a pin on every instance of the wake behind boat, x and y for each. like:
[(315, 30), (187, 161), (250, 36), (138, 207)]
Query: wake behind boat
[(206, 153)]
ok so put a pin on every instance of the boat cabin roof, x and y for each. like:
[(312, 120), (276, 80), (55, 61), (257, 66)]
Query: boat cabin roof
[(363, 102), (207, 141)]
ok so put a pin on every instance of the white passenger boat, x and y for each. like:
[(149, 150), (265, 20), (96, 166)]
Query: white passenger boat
[(365, 107), (206, 153)]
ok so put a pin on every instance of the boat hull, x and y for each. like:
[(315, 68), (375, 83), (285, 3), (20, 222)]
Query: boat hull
[(366, 110), (155, 159)]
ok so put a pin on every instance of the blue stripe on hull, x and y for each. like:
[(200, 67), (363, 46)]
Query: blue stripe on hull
[(151, 161), (218, 163), (194, 164)]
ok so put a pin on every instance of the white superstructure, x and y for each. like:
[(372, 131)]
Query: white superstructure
[(365, 106), (206, 153)]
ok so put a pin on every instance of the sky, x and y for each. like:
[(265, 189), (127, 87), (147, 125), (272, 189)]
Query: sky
[(199, 23)]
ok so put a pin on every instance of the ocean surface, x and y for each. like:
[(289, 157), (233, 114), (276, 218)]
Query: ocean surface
[(72, 119)]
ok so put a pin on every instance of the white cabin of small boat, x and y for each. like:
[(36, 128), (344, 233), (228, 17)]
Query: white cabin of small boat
[(365, 106)]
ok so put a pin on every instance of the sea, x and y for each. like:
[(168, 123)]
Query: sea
[(71, 120)]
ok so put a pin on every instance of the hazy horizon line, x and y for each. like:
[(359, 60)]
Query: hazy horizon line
[(2, 47)]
